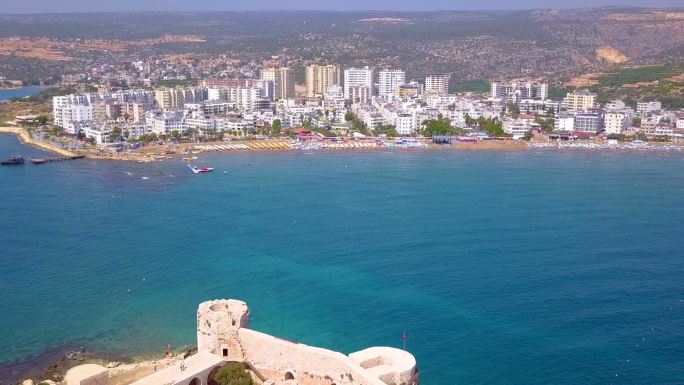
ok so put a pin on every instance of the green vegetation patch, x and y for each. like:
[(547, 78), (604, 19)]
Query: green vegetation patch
[(480, 86), (177, 83), (233, 374), (624, 76)]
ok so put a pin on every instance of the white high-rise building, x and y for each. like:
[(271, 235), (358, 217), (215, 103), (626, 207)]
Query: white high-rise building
[(69, 110), (389, 82), (565, 122), (616, 122), (354, 77), (246, 99), (164, 123), (360, 94), (437, 84), (334, 98), (515, 91), (646, 107), (405, 124)]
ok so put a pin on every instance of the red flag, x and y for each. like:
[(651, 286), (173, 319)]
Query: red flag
[(403, 338)]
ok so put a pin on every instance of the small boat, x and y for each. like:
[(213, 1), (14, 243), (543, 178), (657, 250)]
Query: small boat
[(198, 170), (14, 160), (37, 161)]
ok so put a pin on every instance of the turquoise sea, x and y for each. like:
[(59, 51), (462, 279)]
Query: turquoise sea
[(20, 92), (502, 267)]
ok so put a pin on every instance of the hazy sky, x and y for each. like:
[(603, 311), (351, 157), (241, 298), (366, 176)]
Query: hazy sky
[(37, 6)]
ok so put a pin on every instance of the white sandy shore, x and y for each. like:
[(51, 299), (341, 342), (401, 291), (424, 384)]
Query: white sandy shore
[(27, 139)]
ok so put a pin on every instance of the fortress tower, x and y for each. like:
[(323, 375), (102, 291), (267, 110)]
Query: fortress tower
[(218, 323), (223, 334)]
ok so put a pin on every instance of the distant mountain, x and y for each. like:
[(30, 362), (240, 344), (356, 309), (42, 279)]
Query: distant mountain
[(470, 45)]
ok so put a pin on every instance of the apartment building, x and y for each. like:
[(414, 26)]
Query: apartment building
[(437, 84), (283, 79), (357, 77), (320, 77), (389, 82)]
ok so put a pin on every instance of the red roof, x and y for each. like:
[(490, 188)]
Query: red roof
[(300, 130)]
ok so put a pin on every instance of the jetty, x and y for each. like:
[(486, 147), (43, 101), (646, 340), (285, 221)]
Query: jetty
[(52, 160)]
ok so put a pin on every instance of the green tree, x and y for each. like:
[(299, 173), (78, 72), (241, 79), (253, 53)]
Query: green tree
[(547, 125), (636, 122), (491, 126), (116, 133), (470, 122), (275, 128), (233, 374), (439, 126), (386, 129), (175, 133), (356, 123), (513, 110), (42, 119), (190, 132)]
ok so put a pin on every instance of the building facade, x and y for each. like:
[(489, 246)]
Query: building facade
[(588, 122), (580, 101), (616, 122), (437, 84), (283, 81), (389, 82), (320, 77), (515, 91), (357, 77)]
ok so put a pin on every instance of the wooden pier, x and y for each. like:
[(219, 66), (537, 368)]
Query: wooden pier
[(52, 160)]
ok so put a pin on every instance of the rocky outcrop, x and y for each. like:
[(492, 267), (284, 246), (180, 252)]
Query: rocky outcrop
[(610, 55)]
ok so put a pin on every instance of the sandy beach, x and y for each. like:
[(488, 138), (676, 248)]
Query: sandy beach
[(27, 139), (174, 151)]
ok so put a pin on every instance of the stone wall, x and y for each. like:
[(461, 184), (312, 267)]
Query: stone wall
[(309, 365), (223, 330)]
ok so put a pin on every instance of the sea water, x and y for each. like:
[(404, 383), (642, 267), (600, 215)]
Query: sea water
[(502, 267), (20, 92)]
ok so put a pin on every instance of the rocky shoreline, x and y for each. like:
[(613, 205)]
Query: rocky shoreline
[(52, 364)]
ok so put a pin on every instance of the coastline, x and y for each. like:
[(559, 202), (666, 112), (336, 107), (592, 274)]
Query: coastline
[(182, 150), (54, 363), (25, 138)]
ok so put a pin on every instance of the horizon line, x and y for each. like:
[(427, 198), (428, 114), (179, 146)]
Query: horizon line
[(336, 10)]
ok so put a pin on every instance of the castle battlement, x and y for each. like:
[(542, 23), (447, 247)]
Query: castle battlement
[(223, 335)]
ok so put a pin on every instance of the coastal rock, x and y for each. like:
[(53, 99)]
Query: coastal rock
[(27, 382)]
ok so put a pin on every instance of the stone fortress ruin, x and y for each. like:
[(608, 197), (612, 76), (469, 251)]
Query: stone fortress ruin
[(223, 335)]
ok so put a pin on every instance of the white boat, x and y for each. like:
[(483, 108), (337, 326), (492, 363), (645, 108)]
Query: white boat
[(200, 170)]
